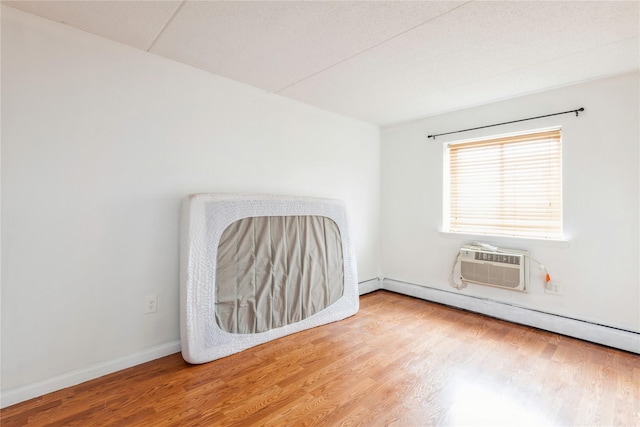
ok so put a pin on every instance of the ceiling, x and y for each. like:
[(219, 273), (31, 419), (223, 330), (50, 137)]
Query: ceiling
[(383, 62)]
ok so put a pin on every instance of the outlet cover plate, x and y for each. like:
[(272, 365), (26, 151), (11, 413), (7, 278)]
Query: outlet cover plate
[(150, 304), (553, 288)]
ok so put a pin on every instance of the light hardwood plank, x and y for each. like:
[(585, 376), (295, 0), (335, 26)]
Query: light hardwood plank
[(400, 361)]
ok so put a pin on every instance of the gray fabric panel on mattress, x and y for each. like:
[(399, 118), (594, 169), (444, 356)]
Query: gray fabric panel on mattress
[(274, 271)]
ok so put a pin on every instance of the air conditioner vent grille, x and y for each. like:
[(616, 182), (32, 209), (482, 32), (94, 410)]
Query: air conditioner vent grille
[(502, 268), (501, 258)]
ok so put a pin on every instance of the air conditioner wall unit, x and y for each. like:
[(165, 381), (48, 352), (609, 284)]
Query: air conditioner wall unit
[(490, 266)]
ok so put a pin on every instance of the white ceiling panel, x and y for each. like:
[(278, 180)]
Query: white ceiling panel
[(614, 59), (272, 45), (466, 48), (134, 23), (378, 61)]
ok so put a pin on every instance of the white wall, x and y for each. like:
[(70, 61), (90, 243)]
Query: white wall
[(100, 142), (598, 267)]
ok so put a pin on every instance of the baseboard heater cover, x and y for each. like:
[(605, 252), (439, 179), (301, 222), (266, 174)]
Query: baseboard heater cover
[(254, 268), (581, 329)]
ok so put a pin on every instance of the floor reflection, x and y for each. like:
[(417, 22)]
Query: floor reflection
[(480, 405)]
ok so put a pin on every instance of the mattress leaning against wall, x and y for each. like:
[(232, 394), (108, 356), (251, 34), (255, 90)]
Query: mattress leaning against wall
[(254, 268)]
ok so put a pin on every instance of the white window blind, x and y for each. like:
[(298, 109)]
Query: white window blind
[(508, 186)]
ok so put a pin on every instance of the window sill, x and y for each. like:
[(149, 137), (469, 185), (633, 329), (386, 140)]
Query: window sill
[(506, 240)]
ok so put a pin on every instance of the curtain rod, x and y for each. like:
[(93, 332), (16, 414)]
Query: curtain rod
[(506, 123)]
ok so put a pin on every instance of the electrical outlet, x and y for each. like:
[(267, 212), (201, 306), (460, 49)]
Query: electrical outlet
[(150, 304), (553, 288)]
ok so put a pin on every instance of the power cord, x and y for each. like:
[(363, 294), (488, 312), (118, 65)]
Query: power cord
[(452, 280), (547, 277)]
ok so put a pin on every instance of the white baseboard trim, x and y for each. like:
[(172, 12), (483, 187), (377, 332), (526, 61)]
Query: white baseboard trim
[(20, 394), (600, 334), (370, 285)]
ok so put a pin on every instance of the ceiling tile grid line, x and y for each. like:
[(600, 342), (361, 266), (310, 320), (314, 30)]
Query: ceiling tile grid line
[(462, 60), (270, 45), (133, 23), (164, 27), (372, 47)]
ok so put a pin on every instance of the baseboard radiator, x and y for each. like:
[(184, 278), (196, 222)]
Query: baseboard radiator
[(599, 334)]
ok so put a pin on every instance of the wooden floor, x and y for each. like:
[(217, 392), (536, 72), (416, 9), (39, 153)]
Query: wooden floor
[(400, 361)]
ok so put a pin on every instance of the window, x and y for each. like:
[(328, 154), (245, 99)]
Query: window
[(505, 186)]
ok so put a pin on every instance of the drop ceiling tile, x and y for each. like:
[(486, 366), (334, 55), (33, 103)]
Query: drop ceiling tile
[(381, 62), (272, 45), (465, 48), (134, 23), (612, 59)]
